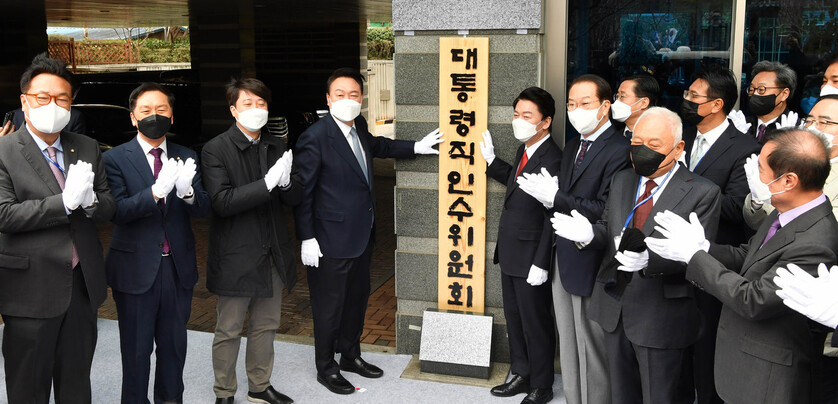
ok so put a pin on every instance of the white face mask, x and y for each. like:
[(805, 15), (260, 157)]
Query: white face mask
[(253, 119), (829, 90), (764, 193), (523, 130), (346, 110), (620, 111), (826, 136), (48, 118), (584, 120)]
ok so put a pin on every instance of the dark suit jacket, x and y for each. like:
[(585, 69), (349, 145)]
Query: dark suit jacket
[(140, 225), (754, 129), (587, 191), (525, 235), (36, 234), (724, 164), (658, 308), (338, 206), (764, 350)]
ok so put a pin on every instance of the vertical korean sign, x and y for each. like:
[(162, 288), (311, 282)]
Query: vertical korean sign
[(463, 117)]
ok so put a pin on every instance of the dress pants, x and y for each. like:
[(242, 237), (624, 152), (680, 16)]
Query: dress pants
[(531, 331), (156, 317), (698, 380), (581, 349), (57, 351), (641, 374), (261, 330), (339, 290)]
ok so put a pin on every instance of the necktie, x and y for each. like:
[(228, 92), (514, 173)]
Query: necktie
[(356, 148), (775, 226), (760, 132), (158, 164), (628, 134), (698, 151), (522, 163), (642, 212), (59, 176), (582, 149)]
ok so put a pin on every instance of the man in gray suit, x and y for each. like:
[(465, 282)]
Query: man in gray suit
[(765, 352), (650, 317), (52, 273)]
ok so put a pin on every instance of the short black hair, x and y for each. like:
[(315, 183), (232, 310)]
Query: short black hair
[(646, 86), (541, 98), (43, 64), (721, 84), (603, 89), (249, 84), (802, 152), (345, 72), (146, 87)]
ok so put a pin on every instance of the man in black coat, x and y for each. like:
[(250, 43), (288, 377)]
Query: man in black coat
[(249, 179)]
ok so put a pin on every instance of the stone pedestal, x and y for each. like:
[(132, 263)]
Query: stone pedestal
[(455, 343)]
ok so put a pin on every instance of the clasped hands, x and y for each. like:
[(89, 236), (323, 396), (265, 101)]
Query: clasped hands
[(175, 174)]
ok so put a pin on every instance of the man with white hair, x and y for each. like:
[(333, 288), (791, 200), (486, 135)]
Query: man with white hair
[(651, 318)]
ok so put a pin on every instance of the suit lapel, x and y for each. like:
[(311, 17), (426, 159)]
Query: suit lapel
[(29, 150), (628, 196), (566, 172), (338, 142), (511, 183), (689, 141), (719, 148), (669, 198), (136, 157), (784, 236), (68, 143), (591, 153)]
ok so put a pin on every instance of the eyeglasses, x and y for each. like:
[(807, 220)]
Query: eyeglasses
[(689, 96), (585, 105), (618, 97), (821, 124), (759, 90), (44, 99)]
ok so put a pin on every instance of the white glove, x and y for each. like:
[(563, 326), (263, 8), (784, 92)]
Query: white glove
[(487, 149), (815, 298), (632, 261), (426, 145), (165, 179), (280, 173), (75, 186), (542, 187), (759, 190), (89, 196), (185, 173), (310, 253), (575, 227), (788, 120), (682, 238), (537, 276), (739, 120)]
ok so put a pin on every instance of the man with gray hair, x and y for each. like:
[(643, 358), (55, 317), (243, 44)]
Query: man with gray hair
[(650, 318), (772, 86)]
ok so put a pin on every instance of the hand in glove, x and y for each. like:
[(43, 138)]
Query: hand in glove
[(816, 298), (682, 238), (542, 187), (280, 173), (75, 186), (759, 190), (788, 120), (537, 276), (426, 145), (185, 173), (165, 179), (739, 120), (631, 261), (487, 149), (574, 227), (310, 253), (89, 197)]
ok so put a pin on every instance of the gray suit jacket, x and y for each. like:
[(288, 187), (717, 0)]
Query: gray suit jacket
[(658, 307), (37, 235), (764, 350)]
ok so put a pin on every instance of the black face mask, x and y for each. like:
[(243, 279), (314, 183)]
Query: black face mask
[(646, 161), (154, 126), (689, 112), (762, 104)]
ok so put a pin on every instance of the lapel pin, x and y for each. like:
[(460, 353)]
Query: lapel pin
[(177, 158), (72, 150)]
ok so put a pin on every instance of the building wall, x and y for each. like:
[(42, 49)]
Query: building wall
[(514, 64)]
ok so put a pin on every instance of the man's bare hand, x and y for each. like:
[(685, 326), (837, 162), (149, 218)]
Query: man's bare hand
[(7, 128)]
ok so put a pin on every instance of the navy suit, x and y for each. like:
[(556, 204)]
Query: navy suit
[(153, 292)]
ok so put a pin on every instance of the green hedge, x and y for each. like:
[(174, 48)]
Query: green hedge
[(380, 43)]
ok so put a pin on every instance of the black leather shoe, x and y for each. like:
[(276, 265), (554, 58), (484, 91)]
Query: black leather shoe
[(538, 396), (336, 383), (269, 396), (360, 367), (515, 386), (225, 400)]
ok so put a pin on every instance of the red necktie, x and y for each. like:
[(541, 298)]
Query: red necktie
[(522, 164), (59, 176), (642, 211), (158, 164)]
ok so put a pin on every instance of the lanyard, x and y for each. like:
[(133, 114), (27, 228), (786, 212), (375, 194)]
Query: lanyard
[(639, 184), (53, 162)]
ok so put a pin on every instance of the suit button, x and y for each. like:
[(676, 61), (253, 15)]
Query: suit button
[(160, 245), (370, 209)]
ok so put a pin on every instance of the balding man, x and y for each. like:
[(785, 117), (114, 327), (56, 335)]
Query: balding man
[(649, 319), (765, 352)]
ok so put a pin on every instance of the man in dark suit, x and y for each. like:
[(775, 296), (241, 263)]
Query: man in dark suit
[(336, 223), (650, 325), (250, 182), (583, 185), (53, 188), (524, 248), (151, 261), (765, 352), (772, 86), (715, 150)]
